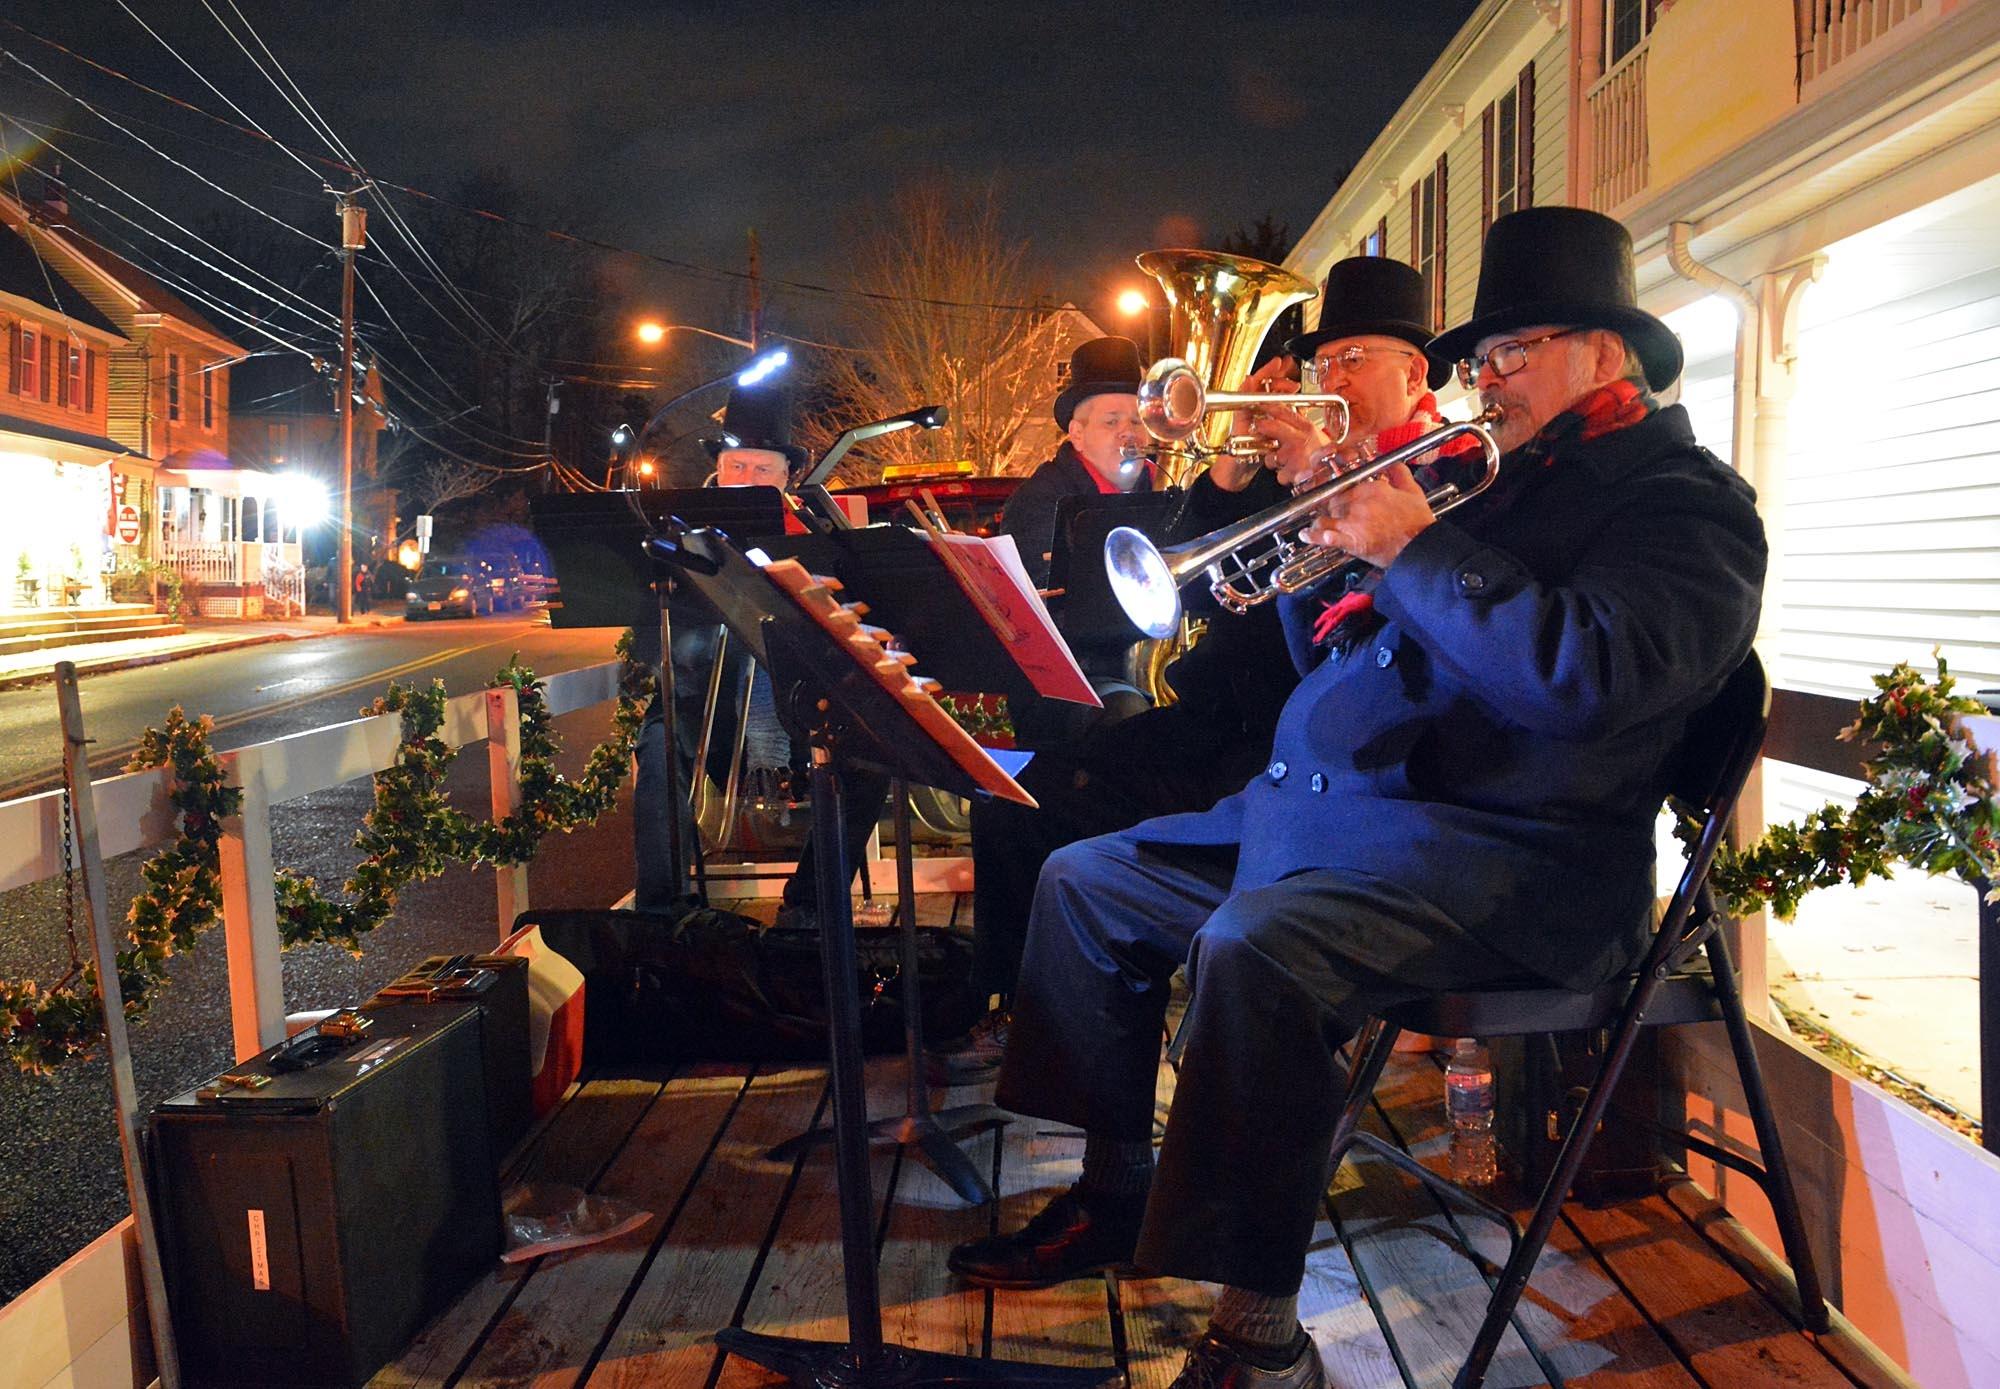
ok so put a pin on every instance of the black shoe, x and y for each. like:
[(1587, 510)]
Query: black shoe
[(1075, 1235), (971, 1058), (1216, 1363)]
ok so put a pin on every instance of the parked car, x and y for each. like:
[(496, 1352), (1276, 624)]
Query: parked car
[(451, 588)]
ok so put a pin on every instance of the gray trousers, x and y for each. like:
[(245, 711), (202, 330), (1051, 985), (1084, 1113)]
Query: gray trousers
[(1282, 977)]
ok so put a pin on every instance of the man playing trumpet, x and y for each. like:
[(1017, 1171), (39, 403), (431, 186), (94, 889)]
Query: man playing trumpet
[(1463, 792)]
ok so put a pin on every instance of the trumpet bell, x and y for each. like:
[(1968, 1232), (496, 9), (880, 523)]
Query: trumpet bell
[(1145, 587), (1172, 400)]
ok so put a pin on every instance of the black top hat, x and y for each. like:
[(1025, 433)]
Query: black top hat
[(1369, 296), (1102, 366), (1563, 266), (758, 417)]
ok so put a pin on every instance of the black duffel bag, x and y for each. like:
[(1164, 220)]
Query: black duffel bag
[(711, 985)]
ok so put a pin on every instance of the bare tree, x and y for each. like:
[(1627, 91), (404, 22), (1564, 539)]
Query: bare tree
[(954, 326), (437, 481)]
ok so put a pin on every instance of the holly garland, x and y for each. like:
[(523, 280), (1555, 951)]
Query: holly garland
[(1930, 802), (411, 833)]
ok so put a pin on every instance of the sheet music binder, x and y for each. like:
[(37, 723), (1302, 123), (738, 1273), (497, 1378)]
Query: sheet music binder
[(1089, 614), (596, 544)]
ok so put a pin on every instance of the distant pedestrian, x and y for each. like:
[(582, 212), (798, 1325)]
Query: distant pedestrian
[(361, 587)]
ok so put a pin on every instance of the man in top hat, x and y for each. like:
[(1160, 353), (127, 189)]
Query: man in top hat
[(1098, 411), (1231, 684), (1463, 792), (753, 448)]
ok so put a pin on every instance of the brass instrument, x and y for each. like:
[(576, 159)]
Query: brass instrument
[(1174, 405), (1219, 308), (1146, 579)]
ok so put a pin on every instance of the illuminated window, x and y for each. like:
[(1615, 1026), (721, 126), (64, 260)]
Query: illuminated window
[(173, 385), (31, 362)]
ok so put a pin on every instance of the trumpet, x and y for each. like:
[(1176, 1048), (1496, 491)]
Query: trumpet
[(1174, 403), (1147, 580)]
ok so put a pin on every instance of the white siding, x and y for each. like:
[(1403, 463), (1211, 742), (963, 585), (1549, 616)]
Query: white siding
[(1708, 390), (1462, 184), (1892, 510), (1552, 122)]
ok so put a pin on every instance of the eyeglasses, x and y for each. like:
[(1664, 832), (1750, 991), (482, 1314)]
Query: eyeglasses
[(1505, 358), (1348, 359)]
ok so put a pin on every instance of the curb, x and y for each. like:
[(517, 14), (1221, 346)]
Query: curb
[(24, 679)]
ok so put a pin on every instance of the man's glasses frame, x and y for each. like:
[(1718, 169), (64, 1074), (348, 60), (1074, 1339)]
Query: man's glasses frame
[(1505, 358), (1347, 360)]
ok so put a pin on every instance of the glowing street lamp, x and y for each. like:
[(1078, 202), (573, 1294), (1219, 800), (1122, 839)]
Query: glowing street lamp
[(1131, 302), (650, 333)]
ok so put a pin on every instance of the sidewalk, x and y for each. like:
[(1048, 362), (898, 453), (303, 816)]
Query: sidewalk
[(202, 636)]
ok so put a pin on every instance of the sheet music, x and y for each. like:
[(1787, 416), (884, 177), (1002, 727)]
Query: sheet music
[(993, 577)]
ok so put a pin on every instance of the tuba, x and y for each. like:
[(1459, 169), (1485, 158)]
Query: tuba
[(1219, 308)]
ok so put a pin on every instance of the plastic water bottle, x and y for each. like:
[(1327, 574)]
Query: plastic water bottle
[(1468, 1099)]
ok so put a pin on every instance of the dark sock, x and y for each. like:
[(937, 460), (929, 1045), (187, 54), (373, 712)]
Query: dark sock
[(1116, 1166), (1264, 1330)]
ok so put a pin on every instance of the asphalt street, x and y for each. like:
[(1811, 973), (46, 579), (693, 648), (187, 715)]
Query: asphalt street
[(60, 1179)]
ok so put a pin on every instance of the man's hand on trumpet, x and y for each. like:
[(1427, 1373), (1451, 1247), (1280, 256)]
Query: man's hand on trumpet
[(1299, 442), (1373, 520)]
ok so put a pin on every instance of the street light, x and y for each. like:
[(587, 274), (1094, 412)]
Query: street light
[(651, 332), (1132, 303)]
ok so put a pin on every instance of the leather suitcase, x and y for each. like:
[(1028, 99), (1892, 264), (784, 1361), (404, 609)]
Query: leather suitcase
[(322, 1201), (498, 984)]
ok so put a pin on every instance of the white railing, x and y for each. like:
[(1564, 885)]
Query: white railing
[(284, 585), (1618, 142), (205, 563), (1833, 31)]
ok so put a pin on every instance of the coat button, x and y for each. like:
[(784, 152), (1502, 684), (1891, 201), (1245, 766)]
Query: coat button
[(1276, 771), (1318, 782), (1385, 657), (1471, 581)]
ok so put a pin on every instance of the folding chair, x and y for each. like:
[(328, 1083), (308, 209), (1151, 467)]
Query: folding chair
[(1714, 759)]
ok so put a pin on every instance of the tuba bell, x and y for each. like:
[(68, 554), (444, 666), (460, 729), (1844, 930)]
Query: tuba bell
[(1219, 308)]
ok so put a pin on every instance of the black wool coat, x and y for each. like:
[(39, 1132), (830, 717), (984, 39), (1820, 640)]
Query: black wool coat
[(1030, 514), (1500, 745)]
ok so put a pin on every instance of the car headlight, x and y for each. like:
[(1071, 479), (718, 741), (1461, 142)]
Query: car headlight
[(461, 593), (413, 596)]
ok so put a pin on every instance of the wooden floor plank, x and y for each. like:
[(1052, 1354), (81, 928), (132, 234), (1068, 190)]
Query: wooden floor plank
[(801, 1288), (924, 1305), (694, 1284), (574, 1148), (1069, 1324), (1724, 1328), (547, 1336), (1583, 1321)]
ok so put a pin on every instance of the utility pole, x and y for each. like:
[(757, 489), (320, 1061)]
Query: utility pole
[(353, 236), (756, 291), (549, 434)]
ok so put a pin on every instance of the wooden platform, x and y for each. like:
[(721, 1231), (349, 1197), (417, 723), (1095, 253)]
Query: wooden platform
[(1642, 1296)]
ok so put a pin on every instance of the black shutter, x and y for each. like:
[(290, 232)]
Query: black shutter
[(90, 378), (1486, 167), (1524, 130), (1437, 280)]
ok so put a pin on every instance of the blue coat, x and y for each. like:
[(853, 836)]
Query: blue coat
[(1500, 744)]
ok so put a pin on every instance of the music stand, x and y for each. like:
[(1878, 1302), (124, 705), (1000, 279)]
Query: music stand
[(1091, 616), (824, 693), (911, 591), (604, 578)]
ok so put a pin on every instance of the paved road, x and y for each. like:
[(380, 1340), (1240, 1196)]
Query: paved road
[(60, 1182), (267, 691)]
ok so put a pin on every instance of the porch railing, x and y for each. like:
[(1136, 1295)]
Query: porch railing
[(219, 563), (1617, 105), (1833, 31), (284, 585)]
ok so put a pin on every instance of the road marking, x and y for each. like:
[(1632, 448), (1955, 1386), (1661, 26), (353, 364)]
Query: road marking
[(114, 757)]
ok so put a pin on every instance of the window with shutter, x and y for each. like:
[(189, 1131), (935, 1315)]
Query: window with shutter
[(207, 398), (173, 385), (31, 367)]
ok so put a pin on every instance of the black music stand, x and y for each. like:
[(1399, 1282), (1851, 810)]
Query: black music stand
[(1091, 616), (912, 592), (604, 578), (824, 693)]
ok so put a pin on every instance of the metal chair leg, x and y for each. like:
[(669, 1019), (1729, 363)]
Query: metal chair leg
[(1575, 1147), (1372, 1048), (1777, 1171)]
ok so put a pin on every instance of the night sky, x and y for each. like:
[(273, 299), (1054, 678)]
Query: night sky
[(672, 128)]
